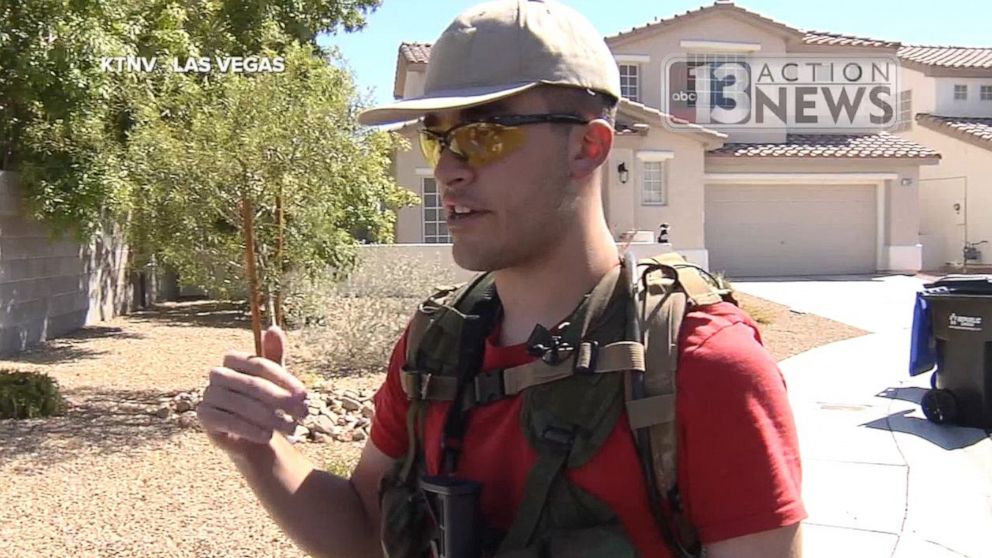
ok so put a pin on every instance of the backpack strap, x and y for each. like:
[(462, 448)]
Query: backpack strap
[(667, 289)]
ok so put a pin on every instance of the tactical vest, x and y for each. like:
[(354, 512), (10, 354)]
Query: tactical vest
[(617, 351)]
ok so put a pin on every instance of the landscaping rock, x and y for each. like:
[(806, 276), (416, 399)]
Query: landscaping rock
[(325, 425), (351, 403), (188, 420), (345, 416)]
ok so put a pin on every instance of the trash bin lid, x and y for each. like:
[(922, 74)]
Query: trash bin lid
[(960, 284)]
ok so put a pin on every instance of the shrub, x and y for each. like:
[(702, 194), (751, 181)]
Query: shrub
[(352, 323), (29, 395)]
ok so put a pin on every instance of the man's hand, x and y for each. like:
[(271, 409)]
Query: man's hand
[(240, 404)]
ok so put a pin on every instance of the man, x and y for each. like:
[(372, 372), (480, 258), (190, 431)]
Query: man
[(522, 192)]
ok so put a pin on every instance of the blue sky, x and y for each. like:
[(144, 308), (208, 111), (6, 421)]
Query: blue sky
[(371, 53)]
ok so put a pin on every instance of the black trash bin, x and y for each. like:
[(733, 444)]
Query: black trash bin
[(960, 309)]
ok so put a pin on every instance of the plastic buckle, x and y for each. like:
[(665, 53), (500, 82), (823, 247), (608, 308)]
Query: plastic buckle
[(488, 387)]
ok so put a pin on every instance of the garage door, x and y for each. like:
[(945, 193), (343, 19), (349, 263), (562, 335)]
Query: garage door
[(785, 229)]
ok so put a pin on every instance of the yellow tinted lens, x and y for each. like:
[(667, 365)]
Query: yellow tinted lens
[(430, 145), (482, 143)]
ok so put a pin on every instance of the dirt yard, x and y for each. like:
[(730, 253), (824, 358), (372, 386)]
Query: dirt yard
[(109, 479)]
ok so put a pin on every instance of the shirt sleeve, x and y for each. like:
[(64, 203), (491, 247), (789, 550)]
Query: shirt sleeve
[(388, 432), (740, 471)]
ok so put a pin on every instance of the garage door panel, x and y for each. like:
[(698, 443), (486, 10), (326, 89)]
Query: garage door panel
[(763, 230)]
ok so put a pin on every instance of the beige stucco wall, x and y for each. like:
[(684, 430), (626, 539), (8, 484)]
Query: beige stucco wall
[(409, 220), (922, 86), (941, 226), (414, 83), (684, 179), (901, 211), (947, 105)]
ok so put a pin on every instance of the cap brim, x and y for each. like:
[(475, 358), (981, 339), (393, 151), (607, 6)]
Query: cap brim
[(411, 109)]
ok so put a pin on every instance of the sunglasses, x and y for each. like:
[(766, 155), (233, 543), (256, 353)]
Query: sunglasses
[(483, 141)]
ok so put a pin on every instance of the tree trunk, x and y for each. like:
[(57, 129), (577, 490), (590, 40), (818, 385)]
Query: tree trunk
[(248, 231)]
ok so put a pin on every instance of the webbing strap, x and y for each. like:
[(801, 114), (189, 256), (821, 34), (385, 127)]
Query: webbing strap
[(414, 418), (537, 489), (619, 356), (700, 291), (651, 411), (492, 386)]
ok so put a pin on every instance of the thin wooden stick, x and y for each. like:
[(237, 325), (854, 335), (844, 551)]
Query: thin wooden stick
[(279, 268), (248, 222)]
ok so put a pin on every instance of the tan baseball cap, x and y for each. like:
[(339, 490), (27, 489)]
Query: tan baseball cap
[(501, 48)]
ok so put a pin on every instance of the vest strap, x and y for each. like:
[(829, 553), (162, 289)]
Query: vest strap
[(550, 461), (650, 411)]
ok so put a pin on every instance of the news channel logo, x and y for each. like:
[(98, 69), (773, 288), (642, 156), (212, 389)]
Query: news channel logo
[(790, 92)]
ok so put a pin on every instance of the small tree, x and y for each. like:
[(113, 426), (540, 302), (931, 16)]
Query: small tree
[(239, 171)]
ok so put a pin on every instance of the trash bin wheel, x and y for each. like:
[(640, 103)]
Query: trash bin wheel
[(940, 406)]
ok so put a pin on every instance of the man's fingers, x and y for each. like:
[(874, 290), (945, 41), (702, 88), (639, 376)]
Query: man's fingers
[(266, 368), (274, 345), (216, 420), (259, 388), (247, 408)]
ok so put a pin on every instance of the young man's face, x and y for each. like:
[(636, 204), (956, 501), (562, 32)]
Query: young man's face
[(522, 202)]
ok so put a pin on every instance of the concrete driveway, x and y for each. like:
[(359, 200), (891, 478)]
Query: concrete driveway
[(879, 479), (872, 303)]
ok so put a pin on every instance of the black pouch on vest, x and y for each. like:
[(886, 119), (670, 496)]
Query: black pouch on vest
[(406, 530)]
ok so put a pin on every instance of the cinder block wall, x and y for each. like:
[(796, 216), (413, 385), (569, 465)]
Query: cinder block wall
[(51, 287)]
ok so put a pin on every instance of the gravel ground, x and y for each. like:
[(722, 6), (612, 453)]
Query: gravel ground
[(108, 479)]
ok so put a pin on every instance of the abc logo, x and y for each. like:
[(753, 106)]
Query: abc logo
[(683, 96)]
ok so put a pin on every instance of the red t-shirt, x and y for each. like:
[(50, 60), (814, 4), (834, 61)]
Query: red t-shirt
[(739, 468)]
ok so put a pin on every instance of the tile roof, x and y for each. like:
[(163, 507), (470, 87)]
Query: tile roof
[(947, 56), (417, 53), (809, 37), (719, 5), (977, 130), (838, 39), (880, 145)]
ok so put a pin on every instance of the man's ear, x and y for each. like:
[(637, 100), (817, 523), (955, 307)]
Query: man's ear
[(593, 148)]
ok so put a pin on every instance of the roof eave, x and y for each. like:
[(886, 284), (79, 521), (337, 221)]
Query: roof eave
[(657, 26), (928, 122), (925, 160)]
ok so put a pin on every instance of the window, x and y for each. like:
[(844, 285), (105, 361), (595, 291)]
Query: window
[(960, 92), (697, 60), (630, 82), (905, 119), (435, 221), (653, 183), (986, 93)]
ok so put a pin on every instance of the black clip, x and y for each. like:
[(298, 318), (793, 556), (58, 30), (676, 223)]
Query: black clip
[(488, 387), (547, 346)]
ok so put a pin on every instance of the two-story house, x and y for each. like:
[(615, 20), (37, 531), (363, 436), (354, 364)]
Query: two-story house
[(949, 92), (749, 202)]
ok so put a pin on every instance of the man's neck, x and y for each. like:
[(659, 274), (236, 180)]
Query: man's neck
[(547, 291)]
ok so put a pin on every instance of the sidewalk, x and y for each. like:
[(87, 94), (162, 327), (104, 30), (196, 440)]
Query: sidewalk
[(879, 479)]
